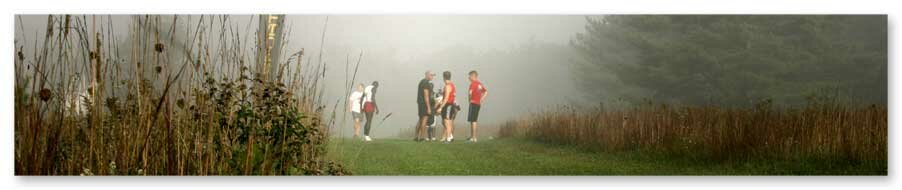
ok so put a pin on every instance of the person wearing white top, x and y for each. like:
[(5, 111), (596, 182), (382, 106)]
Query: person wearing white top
[(431, 122), (369, 108), (354, 107)]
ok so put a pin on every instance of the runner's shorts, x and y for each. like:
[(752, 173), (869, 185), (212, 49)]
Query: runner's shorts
[(369, 107), (421, 109), (448, 112), (474, 113)]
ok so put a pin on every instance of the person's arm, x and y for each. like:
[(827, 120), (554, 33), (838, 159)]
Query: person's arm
[(485, 92), (444, 98), (470, 94), (363, 101), (363, 96), (375, 105), (437, 102), (428, 102), (350, 102)]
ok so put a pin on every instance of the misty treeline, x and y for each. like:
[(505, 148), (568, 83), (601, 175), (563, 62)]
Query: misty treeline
[(734, 60), (701, 89)]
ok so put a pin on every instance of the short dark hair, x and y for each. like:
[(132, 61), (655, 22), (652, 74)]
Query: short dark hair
[(376, 83), (446, 75), (473, 72)]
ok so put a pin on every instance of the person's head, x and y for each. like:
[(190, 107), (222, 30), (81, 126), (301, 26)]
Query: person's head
[(446, 75), (473, 75), (360, 87), (429, 75), (375, 84)]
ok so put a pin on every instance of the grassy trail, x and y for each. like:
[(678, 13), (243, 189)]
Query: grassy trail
[(507, 157)]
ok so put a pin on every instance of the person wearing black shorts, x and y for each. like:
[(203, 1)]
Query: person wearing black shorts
[(449, 111), (477, 94), (448, 107), (424, 105), (473, 114)]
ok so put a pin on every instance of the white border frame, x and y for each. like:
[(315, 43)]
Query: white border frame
[(559, 7)]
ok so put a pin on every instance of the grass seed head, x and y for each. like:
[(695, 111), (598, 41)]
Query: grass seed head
[(158, 47), (45, 94)]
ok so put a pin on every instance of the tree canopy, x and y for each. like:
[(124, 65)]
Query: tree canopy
[(734, 59)]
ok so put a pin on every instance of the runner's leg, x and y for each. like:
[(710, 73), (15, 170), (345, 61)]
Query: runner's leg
[(421, 127), (416, 128), (369, 121), (356, 127)]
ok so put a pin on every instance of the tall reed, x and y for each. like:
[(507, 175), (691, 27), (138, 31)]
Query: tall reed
[(169, 99), (820, 131)]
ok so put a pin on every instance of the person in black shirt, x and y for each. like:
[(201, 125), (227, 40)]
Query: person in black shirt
[(424, 103)]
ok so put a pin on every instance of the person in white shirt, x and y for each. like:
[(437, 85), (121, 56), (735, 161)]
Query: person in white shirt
[(354, 105), (437, 97), (369, 108)]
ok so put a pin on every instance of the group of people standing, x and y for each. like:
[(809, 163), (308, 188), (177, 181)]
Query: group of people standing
[(444, 103), (428, 104), (363, 100)]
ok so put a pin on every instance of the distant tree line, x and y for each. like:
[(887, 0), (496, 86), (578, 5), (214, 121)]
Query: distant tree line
[(734, 59)]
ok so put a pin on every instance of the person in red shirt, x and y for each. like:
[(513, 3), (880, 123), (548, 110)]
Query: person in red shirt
[(477, 95), (448, 108)]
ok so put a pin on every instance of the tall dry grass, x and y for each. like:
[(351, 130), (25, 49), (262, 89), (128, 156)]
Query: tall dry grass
[(820, 131), (169, 99)]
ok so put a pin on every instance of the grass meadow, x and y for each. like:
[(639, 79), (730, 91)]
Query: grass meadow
[(822, 138)]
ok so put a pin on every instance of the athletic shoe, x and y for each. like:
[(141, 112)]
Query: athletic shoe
[(367, 138)]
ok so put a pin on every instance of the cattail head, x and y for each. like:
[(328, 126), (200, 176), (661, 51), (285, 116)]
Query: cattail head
[(66, 27), (49, 29), (158, 47), (45, 94)]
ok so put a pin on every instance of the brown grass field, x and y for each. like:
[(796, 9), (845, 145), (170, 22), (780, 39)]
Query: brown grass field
[(827, 134)]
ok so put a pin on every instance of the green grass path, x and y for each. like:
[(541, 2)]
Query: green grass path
[(496, 157)]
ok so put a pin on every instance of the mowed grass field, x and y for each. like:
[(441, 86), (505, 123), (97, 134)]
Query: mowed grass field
[(523, 157)]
